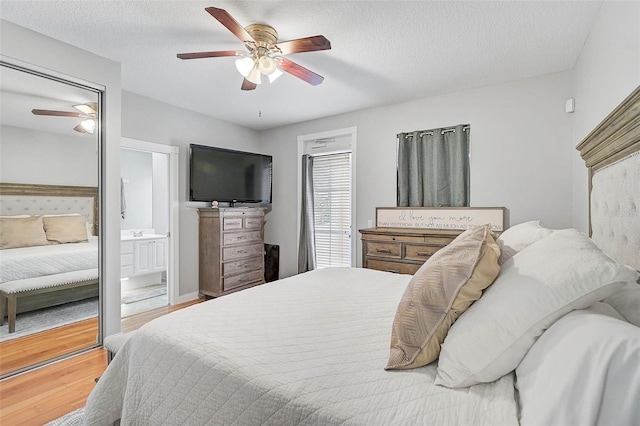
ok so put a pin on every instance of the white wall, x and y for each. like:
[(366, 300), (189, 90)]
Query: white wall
[(146, 119), (607, 71), (519, 154), (27, 47), (33, 156)]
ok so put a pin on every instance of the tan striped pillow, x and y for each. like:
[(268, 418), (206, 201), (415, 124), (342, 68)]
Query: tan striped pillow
[(439, 292)]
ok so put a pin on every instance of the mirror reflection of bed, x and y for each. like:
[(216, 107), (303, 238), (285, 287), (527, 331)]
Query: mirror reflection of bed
[(144, 226)]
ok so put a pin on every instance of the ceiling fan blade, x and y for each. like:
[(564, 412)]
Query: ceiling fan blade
[(199, 55), (56, 113), (232, 25), (299, 71), (307, 44), (247, 85)]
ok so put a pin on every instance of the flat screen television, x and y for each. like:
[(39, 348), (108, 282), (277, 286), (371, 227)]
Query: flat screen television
[(217, 174)]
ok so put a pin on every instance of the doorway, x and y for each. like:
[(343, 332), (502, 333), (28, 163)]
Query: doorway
[(149, 226), (333, 156)]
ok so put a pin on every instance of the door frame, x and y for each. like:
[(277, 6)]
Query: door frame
[(173, 254)]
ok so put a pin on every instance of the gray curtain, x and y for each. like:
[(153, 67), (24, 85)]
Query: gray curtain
[(433, 168), (307, 247)]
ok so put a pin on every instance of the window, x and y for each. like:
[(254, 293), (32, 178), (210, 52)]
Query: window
[(332, 209)]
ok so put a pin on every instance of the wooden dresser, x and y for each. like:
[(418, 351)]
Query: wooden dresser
[(402, 250), (231, 250)]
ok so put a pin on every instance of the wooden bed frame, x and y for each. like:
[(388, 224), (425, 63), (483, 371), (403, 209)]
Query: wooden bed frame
[(57, 295), (616, 137)]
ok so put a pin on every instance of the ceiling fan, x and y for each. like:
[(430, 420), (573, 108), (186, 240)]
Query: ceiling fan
[(265, 53), (87, 113)]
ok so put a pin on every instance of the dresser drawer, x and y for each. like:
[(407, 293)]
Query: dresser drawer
[(390, 266), (383, 249), (420, 252), (238, 252), (235, 281), (231, 223), (241, 237), (253, 222), (244, 265), (443, 241)]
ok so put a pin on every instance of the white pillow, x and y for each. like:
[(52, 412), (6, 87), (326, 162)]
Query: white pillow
[(583, 370), (626, 302), (519, 237), (555, 275)]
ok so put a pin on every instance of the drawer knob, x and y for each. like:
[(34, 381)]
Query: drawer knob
[(423, 253), (383, 250), (393, 270)]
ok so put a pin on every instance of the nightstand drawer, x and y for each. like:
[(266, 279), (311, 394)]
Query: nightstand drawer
[(383, 249), (390, 266), (230, 253), (420, 252)]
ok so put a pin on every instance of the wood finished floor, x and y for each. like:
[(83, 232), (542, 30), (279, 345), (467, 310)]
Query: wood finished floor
[(44, 394)]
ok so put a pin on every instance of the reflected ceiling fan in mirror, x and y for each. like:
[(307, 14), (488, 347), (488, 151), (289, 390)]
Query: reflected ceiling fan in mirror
[(87, 113), (265, 53)]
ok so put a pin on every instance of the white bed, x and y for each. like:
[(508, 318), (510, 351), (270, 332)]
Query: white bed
[(539, 346)]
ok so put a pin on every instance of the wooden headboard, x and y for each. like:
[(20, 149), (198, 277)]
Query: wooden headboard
[(37, 199), (612, 155)]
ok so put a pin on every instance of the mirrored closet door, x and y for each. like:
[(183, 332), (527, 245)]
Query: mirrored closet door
[(50, 144)]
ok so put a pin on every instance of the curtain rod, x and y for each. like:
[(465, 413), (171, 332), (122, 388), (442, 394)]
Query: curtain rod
[(442, 132)]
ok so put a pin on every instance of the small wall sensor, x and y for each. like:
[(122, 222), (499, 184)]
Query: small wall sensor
[(569, 105)]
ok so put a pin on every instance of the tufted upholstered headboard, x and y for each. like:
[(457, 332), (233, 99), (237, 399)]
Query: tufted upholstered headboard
[(32, 199), (612, 154)]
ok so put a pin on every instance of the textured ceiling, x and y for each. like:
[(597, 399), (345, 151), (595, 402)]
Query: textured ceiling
[(383, 52)]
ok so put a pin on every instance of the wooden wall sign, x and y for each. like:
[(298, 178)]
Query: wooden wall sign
[(440, 217)]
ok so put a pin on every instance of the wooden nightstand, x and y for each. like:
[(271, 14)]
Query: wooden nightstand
[(402, 250)]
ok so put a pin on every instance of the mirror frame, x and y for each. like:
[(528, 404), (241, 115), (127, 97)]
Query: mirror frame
[(99, 90)]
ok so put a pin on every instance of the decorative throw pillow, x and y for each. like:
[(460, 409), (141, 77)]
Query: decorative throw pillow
[(65, 229), (22, 232), (439, 292), (519, 237), (555, 275)]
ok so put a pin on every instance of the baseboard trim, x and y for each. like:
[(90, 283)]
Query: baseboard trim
[(186, 297)]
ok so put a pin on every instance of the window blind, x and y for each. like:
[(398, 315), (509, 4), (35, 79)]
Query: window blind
[(332, 209)]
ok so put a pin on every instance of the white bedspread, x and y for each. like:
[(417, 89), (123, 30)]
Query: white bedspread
[(30, 262), (309, 349)]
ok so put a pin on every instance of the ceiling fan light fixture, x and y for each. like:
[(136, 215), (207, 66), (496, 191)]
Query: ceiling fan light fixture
[(274, 75), (244, 65), (267, 65), (255, 76), (88, 125)]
